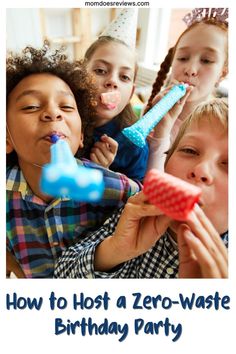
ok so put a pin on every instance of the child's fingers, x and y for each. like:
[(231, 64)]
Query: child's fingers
[(108, 147), (174, 82), (98, 157), (100, 150), (161, 94), (139, 201), (185, 253), (103, 155), (139, 197), (178, 107), (213, 265), (139, 211), (111, 143), (185, 97), (209, 238), (203, 228), (94, 158)]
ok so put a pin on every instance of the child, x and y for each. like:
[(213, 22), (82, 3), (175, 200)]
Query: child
[(48, 95), (141, 242), (111, 59), (199, 58)]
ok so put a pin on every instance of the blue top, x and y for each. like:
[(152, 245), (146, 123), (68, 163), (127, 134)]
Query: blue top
[(131, 160)]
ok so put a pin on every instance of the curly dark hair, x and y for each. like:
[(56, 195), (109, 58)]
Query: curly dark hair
[(34, 61)]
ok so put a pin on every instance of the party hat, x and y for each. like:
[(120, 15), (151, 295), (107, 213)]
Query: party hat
[(124, 27)]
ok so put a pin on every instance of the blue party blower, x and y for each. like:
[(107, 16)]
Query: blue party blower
[(64, 178), (138, 132)]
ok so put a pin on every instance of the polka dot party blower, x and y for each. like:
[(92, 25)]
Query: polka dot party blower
[(138, 132), (175, 197), (62, 177)]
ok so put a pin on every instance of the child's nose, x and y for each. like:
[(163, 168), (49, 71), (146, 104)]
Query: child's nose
[(51, 114), (191, 70), (202, 172), (111, 82)]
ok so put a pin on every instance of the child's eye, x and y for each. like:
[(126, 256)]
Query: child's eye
[(68, 107), (188, 150), (125, 78), (30, 108), (100, 71), (182, 58), (207, 61)]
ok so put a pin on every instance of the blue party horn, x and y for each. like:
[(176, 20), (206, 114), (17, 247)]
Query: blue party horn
[(138, 132), (64, 178)]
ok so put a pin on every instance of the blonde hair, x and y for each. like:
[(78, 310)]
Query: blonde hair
[(214, 110)]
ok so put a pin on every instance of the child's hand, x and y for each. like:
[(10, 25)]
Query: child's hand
[(104, 151), (13, 266), (140, 226), (163, 128), (202, 253)]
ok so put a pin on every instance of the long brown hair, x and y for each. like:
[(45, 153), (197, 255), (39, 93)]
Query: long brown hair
[(166, 64)]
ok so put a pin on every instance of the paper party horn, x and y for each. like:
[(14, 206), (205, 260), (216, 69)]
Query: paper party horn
[(138, 132), (173, 196)]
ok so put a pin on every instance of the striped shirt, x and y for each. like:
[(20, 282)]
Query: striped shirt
[(160, 261), (38, 232)]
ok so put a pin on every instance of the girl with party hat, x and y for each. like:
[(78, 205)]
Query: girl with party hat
[(111, 59)]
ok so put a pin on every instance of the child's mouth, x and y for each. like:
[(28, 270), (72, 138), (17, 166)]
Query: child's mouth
[(53, 134), (110, 99), (111, 106)]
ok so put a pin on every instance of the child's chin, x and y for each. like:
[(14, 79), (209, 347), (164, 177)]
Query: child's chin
[(107, 113)]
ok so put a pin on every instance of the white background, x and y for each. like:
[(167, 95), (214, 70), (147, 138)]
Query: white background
[(204, 331)]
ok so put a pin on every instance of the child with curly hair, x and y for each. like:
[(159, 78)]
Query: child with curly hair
[(47, 94)]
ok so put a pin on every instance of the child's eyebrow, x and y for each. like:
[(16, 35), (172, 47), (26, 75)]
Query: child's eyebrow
[(65, 93), (39, 93), (190, 136), (27, 93), (109, 64), (205, 48)]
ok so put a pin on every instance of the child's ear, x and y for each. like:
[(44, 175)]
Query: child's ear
[(81, 144), (9, 145), (223, 74)]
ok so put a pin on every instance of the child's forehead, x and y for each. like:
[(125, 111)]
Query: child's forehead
[(119, 51), (205, 35), (206, 125), (43, 81)]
